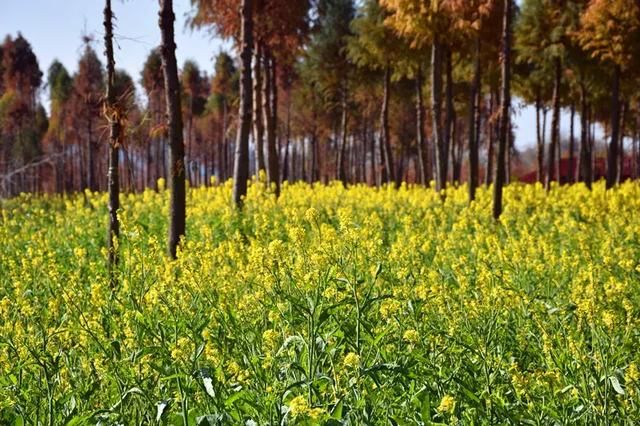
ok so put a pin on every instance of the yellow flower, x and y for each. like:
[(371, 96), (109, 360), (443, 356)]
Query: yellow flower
[(632, 374), (270, 339), (447, 405), (609, 319), (298, 406), (411, 336), (351, 360)]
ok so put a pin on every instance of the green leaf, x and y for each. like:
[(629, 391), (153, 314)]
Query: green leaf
[(616, 385), (336, 411), (425, 409)]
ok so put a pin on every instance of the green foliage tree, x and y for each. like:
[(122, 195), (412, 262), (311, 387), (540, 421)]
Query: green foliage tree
[(610, 31), (329, 67)]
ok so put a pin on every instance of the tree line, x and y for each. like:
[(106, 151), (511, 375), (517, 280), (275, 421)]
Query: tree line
[(375, 91)]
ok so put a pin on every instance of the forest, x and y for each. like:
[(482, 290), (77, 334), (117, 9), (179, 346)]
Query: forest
[(334, 225), (376, 92)]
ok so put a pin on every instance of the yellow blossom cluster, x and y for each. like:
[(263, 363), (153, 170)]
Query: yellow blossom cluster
[(361, 305)]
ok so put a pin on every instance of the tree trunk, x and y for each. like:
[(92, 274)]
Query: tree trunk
[(177, 208), (113, 231), (474, 111), (436, 108), (571, 169), (540, 138), (91, 177), (422, 152), (241, 164), (269, 109), (612, 158), (456, 155), (450, 114), (488, 177), (287, 168), (585, 162), (504, 110), (315, 175), (636, 149), (384, 126), (555, 126), (623, 116), (258, 123), (341, 169)]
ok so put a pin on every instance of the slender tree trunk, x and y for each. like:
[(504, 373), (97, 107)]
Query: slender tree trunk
[(612, 158), (91, 178), (315, 175), (474, 111), (488, 177), (113, 231), (636, 148), (540, 139), (400, 169), (269, 109), (504, 110), (422, 167), (571, 172), (177, 208), (362, 166), (507, 178), (441, 152), (456, 155), (241, 164), (287, 169), (384, 126), (303, 160), (634, 155), (343, 140), (585, 162), (623, 116), (148, 176), (450, 112), (258, 123), (555, 125)]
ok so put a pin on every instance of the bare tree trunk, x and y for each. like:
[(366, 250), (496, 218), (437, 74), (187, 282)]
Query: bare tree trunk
[(91, 178), (488, 177), (450, 114), (303, 160), (241, 164), (540, 139), (636, 150), (315, 172), (612, 158), (177, 207), (341, 168), (258, 123), (504, 110), (113, 231), (269, 110), (384, 126), (585, 163), (571, 172), (456, 155), (555, 126), (287, 169), (422, 167), (623, 116), (474, 111), (441, 152)]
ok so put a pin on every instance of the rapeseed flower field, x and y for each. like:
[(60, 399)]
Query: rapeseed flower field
[(329, 306)]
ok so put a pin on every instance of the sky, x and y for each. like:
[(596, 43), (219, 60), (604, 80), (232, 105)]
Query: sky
[(55, 29)]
